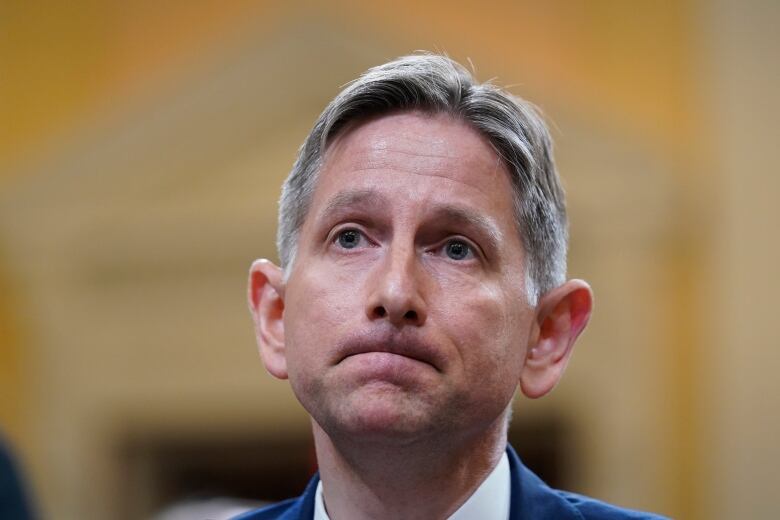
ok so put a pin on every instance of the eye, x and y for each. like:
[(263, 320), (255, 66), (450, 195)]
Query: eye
[(458, 250), (349, 238)]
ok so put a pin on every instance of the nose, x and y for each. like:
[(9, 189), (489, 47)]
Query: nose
[(396, 291)]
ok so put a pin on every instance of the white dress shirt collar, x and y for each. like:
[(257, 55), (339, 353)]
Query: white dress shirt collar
[(489, 502)]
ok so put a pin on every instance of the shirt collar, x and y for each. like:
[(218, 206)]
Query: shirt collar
[(489, 502)]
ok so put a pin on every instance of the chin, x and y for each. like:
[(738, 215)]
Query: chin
[(381, 418)]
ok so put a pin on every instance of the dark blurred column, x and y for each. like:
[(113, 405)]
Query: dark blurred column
[(14, 504)]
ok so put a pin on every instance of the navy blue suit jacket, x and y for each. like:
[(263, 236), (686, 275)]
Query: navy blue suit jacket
[(531, 499)]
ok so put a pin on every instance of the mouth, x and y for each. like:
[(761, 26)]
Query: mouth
[(411, 348)]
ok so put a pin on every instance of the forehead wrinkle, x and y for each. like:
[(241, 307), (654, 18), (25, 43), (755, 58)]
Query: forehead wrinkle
[(441, 169), (441, 149), (372, 158), (414, 172), (369, 146)]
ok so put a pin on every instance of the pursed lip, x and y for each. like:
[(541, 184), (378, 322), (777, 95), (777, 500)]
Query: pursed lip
[(398, 344)]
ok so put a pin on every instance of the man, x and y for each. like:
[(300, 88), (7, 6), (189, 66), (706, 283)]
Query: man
[(422, 238)]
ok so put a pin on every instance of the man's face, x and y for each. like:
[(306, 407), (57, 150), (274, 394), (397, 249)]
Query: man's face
[(405, 313)]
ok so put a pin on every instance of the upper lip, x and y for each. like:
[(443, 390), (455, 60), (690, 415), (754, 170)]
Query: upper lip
[(394, 343)]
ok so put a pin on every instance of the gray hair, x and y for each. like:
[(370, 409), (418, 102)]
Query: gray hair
[(436, 83)]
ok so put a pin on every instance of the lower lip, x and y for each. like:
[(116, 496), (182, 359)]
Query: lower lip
[(386, 366)]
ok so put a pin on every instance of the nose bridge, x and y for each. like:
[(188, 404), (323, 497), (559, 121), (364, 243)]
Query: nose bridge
[(397, 286)]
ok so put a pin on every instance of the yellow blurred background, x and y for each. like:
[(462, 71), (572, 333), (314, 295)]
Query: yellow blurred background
[(142, 146)]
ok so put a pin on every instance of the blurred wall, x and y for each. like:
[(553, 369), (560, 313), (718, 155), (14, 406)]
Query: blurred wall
[(141, 153), (740, 357)]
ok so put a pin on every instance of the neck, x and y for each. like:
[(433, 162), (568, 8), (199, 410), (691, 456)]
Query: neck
[(417, 480)]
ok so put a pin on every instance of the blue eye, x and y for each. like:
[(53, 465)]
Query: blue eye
[(457, 249), (349, 238)]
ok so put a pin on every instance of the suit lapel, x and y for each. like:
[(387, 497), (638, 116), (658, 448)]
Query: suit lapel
[(532, 498), (303, 508)]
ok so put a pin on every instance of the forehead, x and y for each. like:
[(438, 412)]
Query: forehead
[(426, 149)]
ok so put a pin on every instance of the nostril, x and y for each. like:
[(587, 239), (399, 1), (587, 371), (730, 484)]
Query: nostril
[(380, 312), (411, 315)]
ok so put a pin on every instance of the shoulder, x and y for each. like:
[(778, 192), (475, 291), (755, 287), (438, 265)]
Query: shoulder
[(299, 508), (532, 498), (592, 509)]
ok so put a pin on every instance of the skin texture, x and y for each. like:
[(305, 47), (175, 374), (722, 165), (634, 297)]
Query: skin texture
[(404, 326)]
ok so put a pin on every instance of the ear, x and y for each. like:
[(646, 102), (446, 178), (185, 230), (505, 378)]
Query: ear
[(561, 316), (266, 303)]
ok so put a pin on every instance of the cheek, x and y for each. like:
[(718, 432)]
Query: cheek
[(490, 324), (319, 307)]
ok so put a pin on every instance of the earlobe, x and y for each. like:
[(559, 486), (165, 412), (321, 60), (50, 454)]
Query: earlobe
[(266, 303), (562, 315)]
